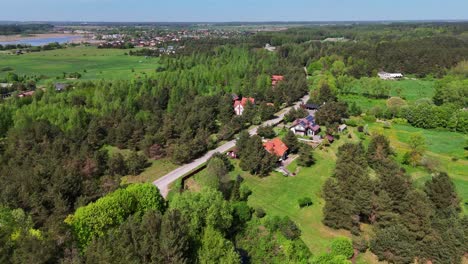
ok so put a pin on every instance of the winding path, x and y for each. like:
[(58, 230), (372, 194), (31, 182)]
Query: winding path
[(164, 182)]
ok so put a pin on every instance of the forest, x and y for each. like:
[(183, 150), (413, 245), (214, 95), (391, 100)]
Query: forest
[(62, 199)]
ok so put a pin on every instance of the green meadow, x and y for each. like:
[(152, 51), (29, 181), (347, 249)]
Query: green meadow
[(409, 89), (92, 63)]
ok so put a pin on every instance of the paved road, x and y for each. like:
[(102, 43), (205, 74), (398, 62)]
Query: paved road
[(164, 182)]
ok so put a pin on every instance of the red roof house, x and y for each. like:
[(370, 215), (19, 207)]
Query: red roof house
[(275, 79), (239, 105), (277, 147), (26, 94)]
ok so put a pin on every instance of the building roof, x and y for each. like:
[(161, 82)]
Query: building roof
[(244, 101), (276, 146), (308, 122), (275, 79), (312, 106), (60, 86), (342, 127)]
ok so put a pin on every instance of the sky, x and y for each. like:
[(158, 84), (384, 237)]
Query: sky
[(233, 10)]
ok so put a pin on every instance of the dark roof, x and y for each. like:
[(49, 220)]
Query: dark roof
[(60, 86), (312, 106)]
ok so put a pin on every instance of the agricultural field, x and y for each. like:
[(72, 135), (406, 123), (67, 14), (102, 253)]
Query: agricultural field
[(90, 62)]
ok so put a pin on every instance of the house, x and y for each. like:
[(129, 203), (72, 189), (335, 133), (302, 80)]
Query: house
[(313, 107), (26, 94), (5, 85), (59, 87), (330, 138), (276, 147), (390, 76), (342, 128), (275, 79), (233, 153), (270, 47), (239, 105), (305, 127)]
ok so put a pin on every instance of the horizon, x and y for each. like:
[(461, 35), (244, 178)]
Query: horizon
[(246, 21), (209, 11)]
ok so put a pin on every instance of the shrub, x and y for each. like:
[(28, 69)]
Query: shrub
[(305, 202), (369, 118), (260, 213), (360, 243), (242, 212), (342, 246), (399, 121), (245, 192), (351, 122), (289, 229)]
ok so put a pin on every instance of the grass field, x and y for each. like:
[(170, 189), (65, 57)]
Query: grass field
[(410, 90), (98, 63)]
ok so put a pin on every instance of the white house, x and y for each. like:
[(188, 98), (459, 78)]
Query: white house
[(305, 127), (239, 105), (390, 76)]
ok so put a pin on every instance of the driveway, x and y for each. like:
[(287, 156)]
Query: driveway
[(164, 182)]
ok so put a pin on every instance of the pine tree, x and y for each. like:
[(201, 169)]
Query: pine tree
[(443, 196), (291, 142)]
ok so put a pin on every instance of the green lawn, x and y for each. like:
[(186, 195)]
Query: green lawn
[(410, 90), (98, 63)]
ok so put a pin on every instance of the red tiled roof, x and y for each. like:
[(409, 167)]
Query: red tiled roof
[(244, 101), (276, 146), (275, 79)]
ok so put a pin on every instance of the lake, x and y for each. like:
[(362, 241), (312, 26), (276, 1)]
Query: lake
[(41, 41)]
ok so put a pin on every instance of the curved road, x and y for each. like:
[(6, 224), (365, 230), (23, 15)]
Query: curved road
[(164, 182)]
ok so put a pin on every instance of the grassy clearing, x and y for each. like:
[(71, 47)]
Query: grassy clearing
[(98, 63), (157, 169), (410, 90)]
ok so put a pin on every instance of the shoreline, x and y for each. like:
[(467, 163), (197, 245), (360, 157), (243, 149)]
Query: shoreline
[(8, 38)]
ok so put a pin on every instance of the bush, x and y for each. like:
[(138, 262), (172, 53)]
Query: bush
[(342, 246), (245, 192), (360, 243), (352, 122), (260, 213), (289, 229), (369, 118), (242, 212), (399, 121), (305, 202)]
